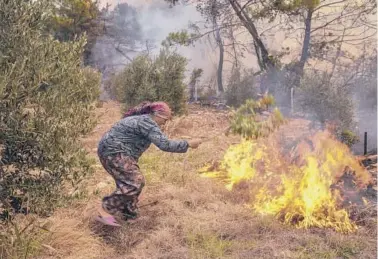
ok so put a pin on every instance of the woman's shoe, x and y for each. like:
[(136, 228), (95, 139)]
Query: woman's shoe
[(106, 218), (109, 220)]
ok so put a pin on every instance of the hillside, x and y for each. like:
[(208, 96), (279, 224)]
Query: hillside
[(185, 215)]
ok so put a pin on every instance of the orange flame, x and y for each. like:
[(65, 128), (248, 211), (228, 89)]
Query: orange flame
[(295, 190)]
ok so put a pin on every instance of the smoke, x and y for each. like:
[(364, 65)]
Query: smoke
[(365, 97), (366, 122), (153, 21)]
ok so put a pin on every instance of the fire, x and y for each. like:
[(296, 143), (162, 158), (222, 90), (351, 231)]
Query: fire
[(294, 187)]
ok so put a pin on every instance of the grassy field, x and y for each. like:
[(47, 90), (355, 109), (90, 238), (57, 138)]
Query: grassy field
[(190, 217)]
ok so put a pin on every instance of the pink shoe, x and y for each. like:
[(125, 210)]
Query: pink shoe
[(110, 221)]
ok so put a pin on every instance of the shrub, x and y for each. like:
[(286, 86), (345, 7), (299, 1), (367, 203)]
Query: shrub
[(348, 137), (327, 101), (253, 120), (153, 79), (365, 82), (240, 87), (46, 99)]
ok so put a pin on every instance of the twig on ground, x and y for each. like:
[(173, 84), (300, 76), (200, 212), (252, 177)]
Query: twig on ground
[(149, 204)]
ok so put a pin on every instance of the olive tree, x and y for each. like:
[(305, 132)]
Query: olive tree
[(46, 100), (149, 78)]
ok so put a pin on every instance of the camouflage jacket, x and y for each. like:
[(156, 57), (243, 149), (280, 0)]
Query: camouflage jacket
[(133, 135)]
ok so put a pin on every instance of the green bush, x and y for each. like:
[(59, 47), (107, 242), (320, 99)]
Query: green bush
[(46, 103), (365, 84), (327, 101), (240, 88), (253, 119), (348, 137), (153, 79)]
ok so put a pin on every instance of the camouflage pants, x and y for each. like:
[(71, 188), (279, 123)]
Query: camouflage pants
[(129, 184)]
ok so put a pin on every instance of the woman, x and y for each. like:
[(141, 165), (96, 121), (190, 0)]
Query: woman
[(120, 149)]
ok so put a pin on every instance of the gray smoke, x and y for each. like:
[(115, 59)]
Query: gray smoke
[(153, 21)]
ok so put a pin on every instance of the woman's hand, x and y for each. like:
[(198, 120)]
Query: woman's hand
[(194, 143)]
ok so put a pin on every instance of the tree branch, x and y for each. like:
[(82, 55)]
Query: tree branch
[(245, 5), (214, 30), (328, 4), (122, 53)]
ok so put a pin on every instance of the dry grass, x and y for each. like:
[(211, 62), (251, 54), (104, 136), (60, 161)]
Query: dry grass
[(194, 217)]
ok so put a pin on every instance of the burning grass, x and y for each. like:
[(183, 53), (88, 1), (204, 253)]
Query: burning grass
[(296, 186)]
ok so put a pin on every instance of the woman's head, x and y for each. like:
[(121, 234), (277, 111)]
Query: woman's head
[(160, 111)]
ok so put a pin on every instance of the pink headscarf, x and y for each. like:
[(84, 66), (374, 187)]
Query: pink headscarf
[(148, 108)]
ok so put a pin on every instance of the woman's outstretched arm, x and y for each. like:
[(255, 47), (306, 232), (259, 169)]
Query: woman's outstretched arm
[(151, 131)]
